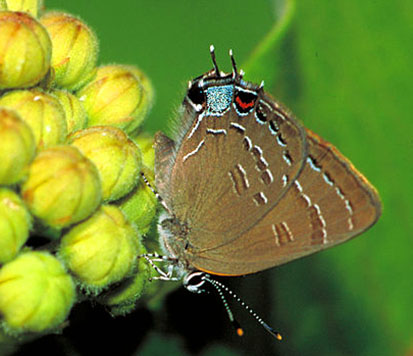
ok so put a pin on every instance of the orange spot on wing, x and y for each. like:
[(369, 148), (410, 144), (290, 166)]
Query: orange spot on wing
[(242, 104)]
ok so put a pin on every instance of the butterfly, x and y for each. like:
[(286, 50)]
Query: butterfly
[(246, 187)]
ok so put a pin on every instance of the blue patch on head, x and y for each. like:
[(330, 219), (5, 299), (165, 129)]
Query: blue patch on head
[(219, 99)]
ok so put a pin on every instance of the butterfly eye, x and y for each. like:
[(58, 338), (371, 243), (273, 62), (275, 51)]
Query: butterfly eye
[(196, 95)]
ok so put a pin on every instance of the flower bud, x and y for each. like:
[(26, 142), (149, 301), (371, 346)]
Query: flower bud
[(122, 298), (75, 114), (115, 97), (17, 147), (75, 49), (145, 82), (30, 6), (15, 223), (25, 50), (145, 143), (140, 205), (116, 157), (101, 250), (148, 96), (36, 293), (42, 112), (63, 187)]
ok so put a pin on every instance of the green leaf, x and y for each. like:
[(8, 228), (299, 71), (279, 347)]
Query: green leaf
[(350, 64), (262, 63)]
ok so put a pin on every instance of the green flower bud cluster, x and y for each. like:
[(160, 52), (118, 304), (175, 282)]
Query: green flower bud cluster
[(73, 207)]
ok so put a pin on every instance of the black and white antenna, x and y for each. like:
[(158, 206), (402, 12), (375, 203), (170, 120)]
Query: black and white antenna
[(234, 65), (194, 282), (214, 60)]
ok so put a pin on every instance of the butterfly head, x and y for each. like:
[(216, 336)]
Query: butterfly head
[(213, 91)]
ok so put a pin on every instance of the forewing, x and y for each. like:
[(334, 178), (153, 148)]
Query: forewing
[(231, 170)]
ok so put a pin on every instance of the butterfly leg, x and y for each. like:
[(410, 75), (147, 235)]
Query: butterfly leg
[(151, 258)]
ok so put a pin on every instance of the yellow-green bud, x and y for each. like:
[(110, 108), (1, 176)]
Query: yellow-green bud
[(25, 50), (101, 250), (114, 97), (117, 158), (17, 147), (75, 49), (140, 205), (122, 298), (42, 112), (63, 186), (146, 84), (3, 7), (36, 293), (32, 7), (148, 96), (145, 143), (15, 223), (76, 118)]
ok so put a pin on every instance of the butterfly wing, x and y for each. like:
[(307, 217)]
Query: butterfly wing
[(231, 170), (329, 203)]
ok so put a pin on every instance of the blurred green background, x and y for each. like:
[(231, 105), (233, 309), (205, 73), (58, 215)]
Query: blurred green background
[(345, 69)]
